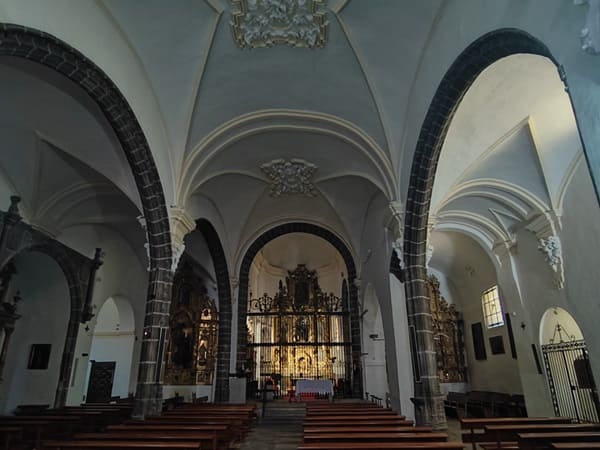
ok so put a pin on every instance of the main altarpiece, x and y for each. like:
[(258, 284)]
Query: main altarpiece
[(300, 332)]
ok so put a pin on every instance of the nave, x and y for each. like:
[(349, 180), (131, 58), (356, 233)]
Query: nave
[(282, 425), (211, 207)]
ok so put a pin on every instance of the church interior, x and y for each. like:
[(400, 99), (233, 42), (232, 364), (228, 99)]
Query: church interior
[(328, 223)]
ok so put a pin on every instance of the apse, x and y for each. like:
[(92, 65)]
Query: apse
[(298, 315)]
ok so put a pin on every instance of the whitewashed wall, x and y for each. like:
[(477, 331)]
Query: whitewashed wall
[(44, 310)]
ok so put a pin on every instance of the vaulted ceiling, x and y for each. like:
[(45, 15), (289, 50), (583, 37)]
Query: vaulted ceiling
[(214, 114)]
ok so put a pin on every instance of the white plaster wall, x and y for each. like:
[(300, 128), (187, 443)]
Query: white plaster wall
[(557, 23), (113, 341), (374, 363), (465, 271), (122, 274), (580, 238), (406, 388), (117, 348), (373, 268), (45, 311)]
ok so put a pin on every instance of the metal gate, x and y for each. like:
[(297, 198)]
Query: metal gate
[(571, 381)]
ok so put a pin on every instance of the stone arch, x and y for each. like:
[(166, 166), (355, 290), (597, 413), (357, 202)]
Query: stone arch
[(43, 48), (456, 82), (71, 269), (341, 247), (224, 290)]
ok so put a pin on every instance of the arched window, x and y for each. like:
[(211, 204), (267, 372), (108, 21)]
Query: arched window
[(492, 309)]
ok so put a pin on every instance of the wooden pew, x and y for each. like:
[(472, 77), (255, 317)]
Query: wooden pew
[(223, 432), (155, 435), (366, 428), (37, 429), (531, 441), (9, 432), (102, 444), (576, 445), (362, 422), (238, 426), (383, 445), (476, 426), (376, 412), (508, 434), (375, 437)]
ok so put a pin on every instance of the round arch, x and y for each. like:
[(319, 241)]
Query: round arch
[(340, 246), (42, 48), (486, 50), (224, 291)]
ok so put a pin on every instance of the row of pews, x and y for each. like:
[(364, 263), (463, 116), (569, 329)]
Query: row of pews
[(363, 426), (187, 427), (28, 429), (529, 433)]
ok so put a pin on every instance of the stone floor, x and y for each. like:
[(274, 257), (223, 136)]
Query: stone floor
[(281, 428)]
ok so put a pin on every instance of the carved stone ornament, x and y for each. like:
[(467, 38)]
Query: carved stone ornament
[(264, 23), (181, 224), (552, 250), (293, 177), (590, 33)]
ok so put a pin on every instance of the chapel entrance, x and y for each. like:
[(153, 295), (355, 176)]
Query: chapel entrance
[(566, 358), (299, 333)]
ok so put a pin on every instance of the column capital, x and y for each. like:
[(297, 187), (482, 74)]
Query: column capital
[(181, 224)]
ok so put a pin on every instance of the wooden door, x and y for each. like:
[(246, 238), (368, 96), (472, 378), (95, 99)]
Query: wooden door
[(101, 381)]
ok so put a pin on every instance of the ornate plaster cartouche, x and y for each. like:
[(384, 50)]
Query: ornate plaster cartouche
[(590, 33), (552, 250), (293, 177), (264, 23)]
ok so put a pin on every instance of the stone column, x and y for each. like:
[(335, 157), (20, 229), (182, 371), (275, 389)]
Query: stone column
[(428, 400), (148, 397), (357, 369)]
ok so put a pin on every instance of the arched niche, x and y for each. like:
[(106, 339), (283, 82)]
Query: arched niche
[(567, 365), (112, 342), (558, 325), (34, 352)]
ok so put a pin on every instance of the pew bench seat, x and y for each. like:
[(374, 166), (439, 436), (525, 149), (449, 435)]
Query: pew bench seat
[(102, 444)]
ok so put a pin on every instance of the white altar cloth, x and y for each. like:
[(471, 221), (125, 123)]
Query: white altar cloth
[(314, 386)]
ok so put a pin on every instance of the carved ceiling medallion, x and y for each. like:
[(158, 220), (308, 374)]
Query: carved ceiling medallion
[(264, 23), (293, 177)]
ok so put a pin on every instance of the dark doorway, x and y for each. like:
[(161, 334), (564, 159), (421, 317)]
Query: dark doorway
[(100, 385)]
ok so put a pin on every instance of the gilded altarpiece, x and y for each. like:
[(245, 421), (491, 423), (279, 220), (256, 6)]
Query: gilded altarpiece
[(448, 336), (299, 332), (192, 348)]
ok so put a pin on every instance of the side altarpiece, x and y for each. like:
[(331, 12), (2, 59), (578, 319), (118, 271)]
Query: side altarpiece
[(193, 323), (448, 336)]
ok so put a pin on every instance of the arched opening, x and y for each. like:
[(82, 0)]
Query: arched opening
[(32, 355), (194, 325), (298, 324), (373, 342), (498, 152), (568, 369), (76, 75), (312, 318), (111, 352)]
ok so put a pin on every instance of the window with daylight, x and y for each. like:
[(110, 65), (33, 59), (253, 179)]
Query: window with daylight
[(492, 309)]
